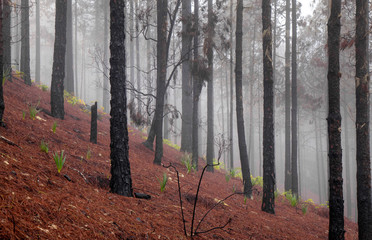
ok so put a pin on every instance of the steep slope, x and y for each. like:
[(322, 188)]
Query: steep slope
[(36, 202)]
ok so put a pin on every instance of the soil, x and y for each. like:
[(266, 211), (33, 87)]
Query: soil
[(37, 202)]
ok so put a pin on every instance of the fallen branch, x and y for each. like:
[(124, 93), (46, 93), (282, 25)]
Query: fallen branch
[(81, 174), (9, 142)]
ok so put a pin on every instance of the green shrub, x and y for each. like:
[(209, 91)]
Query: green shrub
[(44, 146), (227, 177), (173, 145), (292, 198), (23, 115), (33, 111), (54, 127), (59, 160), (304, 208), (187, 161), (44, 88), (163, 182), (89, 154), (257, 181)]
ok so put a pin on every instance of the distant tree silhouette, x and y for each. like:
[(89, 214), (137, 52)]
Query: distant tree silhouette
[(121, 181), (58, 74), (268, 199), (7, 39), (25, 41), (2, 105), (69, 63)]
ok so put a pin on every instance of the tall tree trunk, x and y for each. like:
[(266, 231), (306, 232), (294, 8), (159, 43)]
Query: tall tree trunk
[(131, 48), (318, 158), (347, 159), (121, 181), (7, 38), (162, 7), (287, 175), (294, 170), (239, 101), (25, 42), (336, 201), (210, 104), (268, 199), (362, 120), (2, 104), (76, 48), (187, 84), (105, 77), (69, 64), (231, 136), (58, 75), (18, 33), (251, 122), (138, 59)]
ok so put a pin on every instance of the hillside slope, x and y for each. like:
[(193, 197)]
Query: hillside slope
[(37, 202)]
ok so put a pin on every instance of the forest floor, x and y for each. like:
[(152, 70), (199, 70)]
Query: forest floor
[(37, 202)]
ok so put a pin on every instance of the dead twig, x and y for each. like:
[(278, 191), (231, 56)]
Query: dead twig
[(81, 174), (9, 141)]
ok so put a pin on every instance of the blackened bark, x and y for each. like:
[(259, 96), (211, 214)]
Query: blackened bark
[(187, 84), (161, 76), (58, 75), (7, 37), (294, 101), (287, 159), (239, 101), (69, 69), (210, 104), (268, 199), (121, 181), (2, 104), (93, 123), (336, 201), (197, 87), (37, 64), (362, 120), (25, 42)]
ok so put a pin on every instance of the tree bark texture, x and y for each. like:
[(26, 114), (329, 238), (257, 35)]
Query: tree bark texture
[(7, 38), (210, 98), (287, 175), (239, 101), (197, 87), (268, 199), (162, 9), (294, 160), (69, 69), (362, 120), (93, 123), (187, 86), (106, 85), (25, 42), (121, 181), (2, 104), (58, 74), (336, 201), (231, 135)]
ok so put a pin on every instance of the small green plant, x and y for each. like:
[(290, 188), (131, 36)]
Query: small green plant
[(59, 160), (257, 181), (44, 88), (276, 193), (163, 182), (44, 146), (304, 208), (233, 172), (89, 154), (169, 143), (23, 115), (6, 75), (54, 127), (292, 198), (245, 200), (33, 110), (227, 177), (187, 161)]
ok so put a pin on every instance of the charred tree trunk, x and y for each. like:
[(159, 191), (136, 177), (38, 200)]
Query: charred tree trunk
[(362, 120), (210, 104), (161, 76), (239, 101), (294, 160), (2, 105), (25, 42), (93, 123), (336, 201), (7, 38), (69, 69), (121, 181), (268, 199), (187, 84), (58, 75), (287, 175)]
